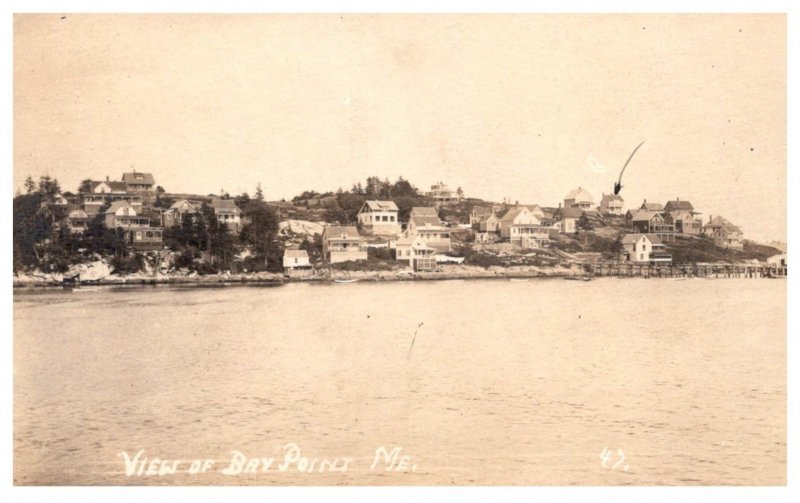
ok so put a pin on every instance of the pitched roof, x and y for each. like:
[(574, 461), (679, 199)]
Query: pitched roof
[(114, 186), (77, 213), (337, 231), (651, 206), (119, 204), (579, 194), (424, 220), (177, 205), (138, 178), (644, 215), (722, 223), (569, 212), (295, 253), (424, 211), (512, 214), (611, 197), (224, 205), (679, 205), (633, 238), (381, 205)]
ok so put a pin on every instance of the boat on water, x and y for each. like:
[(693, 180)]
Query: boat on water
[(345, 281), (578, 278), (518, 279)]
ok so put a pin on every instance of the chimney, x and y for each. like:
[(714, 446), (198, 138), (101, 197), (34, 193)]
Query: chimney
[(559, 206), (106, 177), (678, 199)]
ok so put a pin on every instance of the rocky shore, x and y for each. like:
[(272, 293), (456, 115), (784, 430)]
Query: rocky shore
[(98, 275)]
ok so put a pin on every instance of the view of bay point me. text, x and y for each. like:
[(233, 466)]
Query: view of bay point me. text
[(399, 249)]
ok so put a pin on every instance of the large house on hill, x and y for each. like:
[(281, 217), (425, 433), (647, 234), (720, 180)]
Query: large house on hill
[(227, 213), (442, 194), (106, 192), (379, 218), (579, 198), (139, 182), (652, 222), (173, 217), (612, 204)]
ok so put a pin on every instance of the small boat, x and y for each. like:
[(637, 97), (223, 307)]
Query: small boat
[(345, 281), (82, 289), (578, 278), (518, 279)]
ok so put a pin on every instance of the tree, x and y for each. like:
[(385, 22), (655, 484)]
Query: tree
[(48, 186), (459, 193), (85, 187), (262, 232), (259, 193), (160, 190), (30, 185), (584, 224)]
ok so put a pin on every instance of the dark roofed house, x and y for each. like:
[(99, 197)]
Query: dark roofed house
[(138, 182), (724, 233), (567, 219), (341, 243), (677, 204)]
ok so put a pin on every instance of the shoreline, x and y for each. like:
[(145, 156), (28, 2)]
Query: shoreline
[(328, 276)]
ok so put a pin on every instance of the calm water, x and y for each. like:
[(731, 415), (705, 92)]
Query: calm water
[(507, 382)]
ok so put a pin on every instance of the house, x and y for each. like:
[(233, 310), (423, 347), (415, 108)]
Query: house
[(106, 192), (611, 204), (536, 210), (293, 259), (652, 222), (489, 223), (227, 213), (777, 260), (519, 215), (530, 235), (684, 221), (122, 214), (138, 182), (174, 216), (144, 238), (424, 222), (724, 233), (77, 222), (441, 194), (567, 219), (579, 198), (677, 205), (341, 243), (379, 218), (479, 213), (651, 206), (413, 250), (644, 249)]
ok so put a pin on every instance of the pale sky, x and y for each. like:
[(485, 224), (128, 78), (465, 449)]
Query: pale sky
[(520, 106)]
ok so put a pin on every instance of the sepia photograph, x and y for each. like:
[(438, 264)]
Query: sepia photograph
[(395, 249)]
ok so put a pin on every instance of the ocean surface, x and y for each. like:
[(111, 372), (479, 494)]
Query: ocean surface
[(545, 382)]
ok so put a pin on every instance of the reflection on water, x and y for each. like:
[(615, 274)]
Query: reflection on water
[(507, 382)]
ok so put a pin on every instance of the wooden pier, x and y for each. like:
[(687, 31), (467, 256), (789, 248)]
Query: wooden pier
[(701, 270)]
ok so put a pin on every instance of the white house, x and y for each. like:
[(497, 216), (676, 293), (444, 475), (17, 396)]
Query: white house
[(645, 249), (567, 219), (424, 222), (579, 198), (612, 204), (379, 218), (293, 259), (227, 213), (413, 250), (519, 215)]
